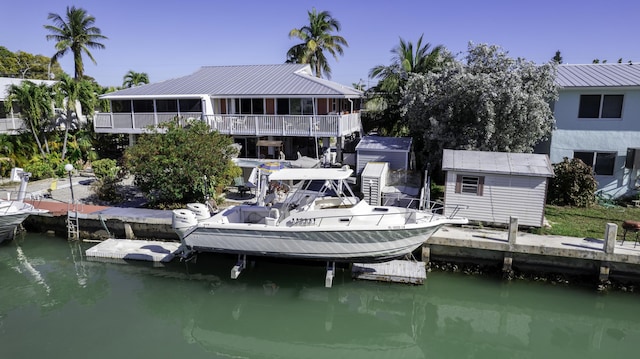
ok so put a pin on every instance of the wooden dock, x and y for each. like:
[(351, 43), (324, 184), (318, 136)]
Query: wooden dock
[(397, 271), (152, 251)]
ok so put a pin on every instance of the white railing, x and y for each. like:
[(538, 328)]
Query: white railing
[(11, 124), (137, 122), (256, 125)]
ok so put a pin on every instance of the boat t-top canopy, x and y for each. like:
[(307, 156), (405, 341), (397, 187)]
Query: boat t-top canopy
[(292, 174)]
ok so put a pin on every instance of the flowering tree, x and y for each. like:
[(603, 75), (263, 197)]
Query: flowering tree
[(490, 103), (180, 164)]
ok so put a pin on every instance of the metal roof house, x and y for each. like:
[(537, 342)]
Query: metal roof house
[(598, 121), (249, 102), (11, 122), (497, 185)]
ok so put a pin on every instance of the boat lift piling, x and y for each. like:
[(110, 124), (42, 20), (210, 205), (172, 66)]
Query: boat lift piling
[(240, 265), (331, 270)]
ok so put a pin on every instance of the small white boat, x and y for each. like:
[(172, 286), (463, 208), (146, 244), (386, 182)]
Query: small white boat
[(13, 213), (329, 223)]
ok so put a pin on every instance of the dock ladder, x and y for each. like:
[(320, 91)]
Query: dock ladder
[(73, 229)]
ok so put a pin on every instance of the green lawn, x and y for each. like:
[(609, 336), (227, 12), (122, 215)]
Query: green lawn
[(586, 222)]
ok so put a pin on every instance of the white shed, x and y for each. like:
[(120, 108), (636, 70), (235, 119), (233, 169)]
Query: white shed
[(497, 185), (373, 180), (394, 150)]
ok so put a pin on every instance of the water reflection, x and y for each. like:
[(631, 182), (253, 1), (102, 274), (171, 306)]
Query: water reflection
[(284, 311)]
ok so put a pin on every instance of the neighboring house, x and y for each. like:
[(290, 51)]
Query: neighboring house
[(493, 186), (11, 121), (598, 121), (252, 103), (394, 150)]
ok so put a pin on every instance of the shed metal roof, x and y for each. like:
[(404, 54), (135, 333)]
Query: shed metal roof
[(381, 143), (521, 164), (281, 80), (599, 75)]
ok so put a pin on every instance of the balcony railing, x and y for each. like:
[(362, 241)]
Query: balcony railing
[(256, 125), (11, 125)]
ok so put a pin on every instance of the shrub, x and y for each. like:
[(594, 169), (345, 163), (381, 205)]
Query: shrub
[(108, 176), (183, 164), (574, 184), (40, 169)]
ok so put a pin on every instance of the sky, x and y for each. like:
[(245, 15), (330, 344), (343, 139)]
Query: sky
[(170, 39)]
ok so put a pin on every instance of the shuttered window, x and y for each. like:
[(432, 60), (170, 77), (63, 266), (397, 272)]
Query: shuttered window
[(469, 184)]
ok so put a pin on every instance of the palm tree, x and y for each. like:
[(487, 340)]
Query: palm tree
[(77, 34), (68, 94), (35, 103), (316, 38), (133, 78), (407, 58)]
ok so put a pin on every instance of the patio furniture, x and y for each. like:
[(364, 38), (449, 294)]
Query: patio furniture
[(241, 185)]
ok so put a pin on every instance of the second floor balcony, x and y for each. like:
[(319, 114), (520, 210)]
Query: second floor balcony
[(12, 125), (237, 124)]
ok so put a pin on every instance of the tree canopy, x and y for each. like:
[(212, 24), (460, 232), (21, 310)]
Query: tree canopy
[(490, 103), (75, 33), (317, 38), (384, 101), (25, 65), (177, 164)]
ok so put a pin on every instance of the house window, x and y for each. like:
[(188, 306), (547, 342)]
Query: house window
[(121, 106), (142, 106), (245, 106), (167, 105), (470, 184), (301, 106), (282, 106), (257, 106), (600, 106), (603, 163), (190, 105)]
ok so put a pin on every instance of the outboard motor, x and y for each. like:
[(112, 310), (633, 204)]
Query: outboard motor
[(183, 218), (24, 179), (200, 210)]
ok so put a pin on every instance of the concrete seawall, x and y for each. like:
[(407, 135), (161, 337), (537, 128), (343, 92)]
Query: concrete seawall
[(517, 250), (507, 249)]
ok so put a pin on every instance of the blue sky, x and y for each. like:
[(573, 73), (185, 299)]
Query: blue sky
[(169, 39)]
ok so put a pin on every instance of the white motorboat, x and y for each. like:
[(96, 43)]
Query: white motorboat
[(13, 213), (329, 224)]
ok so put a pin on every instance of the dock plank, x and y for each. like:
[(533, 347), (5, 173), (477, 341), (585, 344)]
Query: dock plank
[(153, 251), (397, 271)]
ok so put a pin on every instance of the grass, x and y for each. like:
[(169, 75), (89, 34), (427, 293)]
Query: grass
[(586, 222)]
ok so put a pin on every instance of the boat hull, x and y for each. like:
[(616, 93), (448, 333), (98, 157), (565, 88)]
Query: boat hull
[(9, 224), (352, 245)]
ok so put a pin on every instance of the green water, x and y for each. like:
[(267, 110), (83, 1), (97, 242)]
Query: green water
[(54, 303)]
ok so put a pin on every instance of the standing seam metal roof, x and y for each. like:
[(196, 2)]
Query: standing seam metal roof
[(5, 82), (381, 143), (599, 75), (522, 164), (284, 80)]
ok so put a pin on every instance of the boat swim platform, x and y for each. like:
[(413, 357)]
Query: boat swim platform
[(131, 249), (396, 271)]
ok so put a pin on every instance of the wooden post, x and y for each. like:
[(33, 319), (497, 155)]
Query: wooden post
[(426, 253), (507, 263), (610, 235), (513, 230)]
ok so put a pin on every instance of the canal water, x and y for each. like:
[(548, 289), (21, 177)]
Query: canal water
[(54, 303)]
